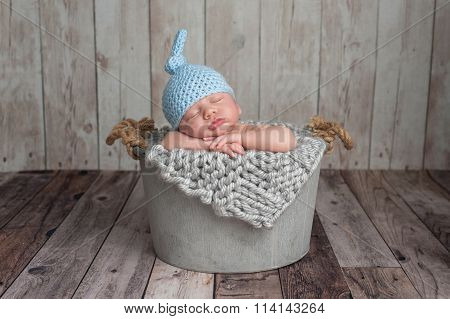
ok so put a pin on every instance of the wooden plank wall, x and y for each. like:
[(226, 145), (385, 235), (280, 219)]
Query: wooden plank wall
[(69, 84), (286, 60), (122, 50), (401, 92), (22, 134), (349, 31)]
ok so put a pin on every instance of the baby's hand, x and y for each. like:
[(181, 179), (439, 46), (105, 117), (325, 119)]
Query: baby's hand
[(231, 149), (223, 145), (220, 141)]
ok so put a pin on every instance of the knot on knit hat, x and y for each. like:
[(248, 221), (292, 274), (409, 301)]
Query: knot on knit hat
[(176, 59), (188, 83), (173, 63)]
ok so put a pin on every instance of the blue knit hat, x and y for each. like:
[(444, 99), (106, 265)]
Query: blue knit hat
[(188, 83)]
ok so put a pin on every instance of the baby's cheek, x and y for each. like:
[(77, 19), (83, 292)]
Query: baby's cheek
[(196, 130), (186, 129)]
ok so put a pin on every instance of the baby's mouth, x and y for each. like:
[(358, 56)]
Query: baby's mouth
[(216, 123)]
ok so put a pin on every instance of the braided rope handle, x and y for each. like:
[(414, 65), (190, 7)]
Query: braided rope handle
[(327, 131), (132, 134)]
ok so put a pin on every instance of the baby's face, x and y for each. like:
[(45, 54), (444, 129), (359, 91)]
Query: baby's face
[(213, 115)]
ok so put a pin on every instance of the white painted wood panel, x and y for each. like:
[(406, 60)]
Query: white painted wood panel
[(348, 34), (70, 99), (290, 48), (22, 144), (395, 103), (123, 74), (401, 88), (437, 146)]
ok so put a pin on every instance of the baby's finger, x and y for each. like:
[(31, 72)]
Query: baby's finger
[(234, 147), (237, 148), (222, 142), (208, 138), (240, 148), (230, 152), (227, 150), (216, 141), (213, 143)]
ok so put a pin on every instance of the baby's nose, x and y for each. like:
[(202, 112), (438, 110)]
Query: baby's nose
[(209, 113)]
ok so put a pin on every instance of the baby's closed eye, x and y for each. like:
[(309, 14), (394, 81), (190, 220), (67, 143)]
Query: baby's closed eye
[(216, 100), (194, 115)]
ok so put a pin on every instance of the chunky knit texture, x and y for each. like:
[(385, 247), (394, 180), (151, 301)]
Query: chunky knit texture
[(255, 187), (189, 83)]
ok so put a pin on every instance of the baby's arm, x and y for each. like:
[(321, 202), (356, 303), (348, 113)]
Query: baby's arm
[(175, 139), (268, 138)]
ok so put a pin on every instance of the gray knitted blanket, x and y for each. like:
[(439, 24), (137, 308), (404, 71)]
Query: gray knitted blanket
[(255, 187)]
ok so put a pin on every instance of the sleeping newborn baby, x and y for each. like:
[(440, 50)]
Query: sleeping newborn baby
[(202, 109)]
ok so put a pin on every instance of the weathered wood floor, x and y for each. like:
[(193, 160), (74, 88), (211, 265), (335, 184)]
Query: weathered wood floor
[(84, 234)]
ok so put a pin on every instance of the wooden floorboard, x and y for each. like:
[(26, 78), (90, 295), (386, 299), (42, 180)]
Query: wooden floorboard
[(428, 200), (375, 283), (355, 240), (442, 178), (28, 231), (317, 275), (261, 285), (4, 176), (169, 282), (18, 190), (58, 268), (122, 267), (424, 259), (83, 234)]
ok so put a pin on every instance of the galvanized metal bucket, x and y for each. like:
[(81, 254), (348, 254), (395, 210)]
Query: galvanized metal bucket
[(187, 234)]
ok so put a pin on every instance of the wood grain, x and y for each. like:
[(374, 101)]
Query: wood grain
[(4, 177), (401, 83), (401, 88), (386, 81), (19, 190), (169, 282), (317, 275), (232, 48), (355, 240), (428, 201), (22, 143), (261, 285), (290, 51), (69, 84), (123, 49), (442, 178), (28, 231), (58, 268), (424, 259), (348, 34), (273, 53), (437, 148), (379, 283), (69, 249), (167, 16), (122, 266)]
